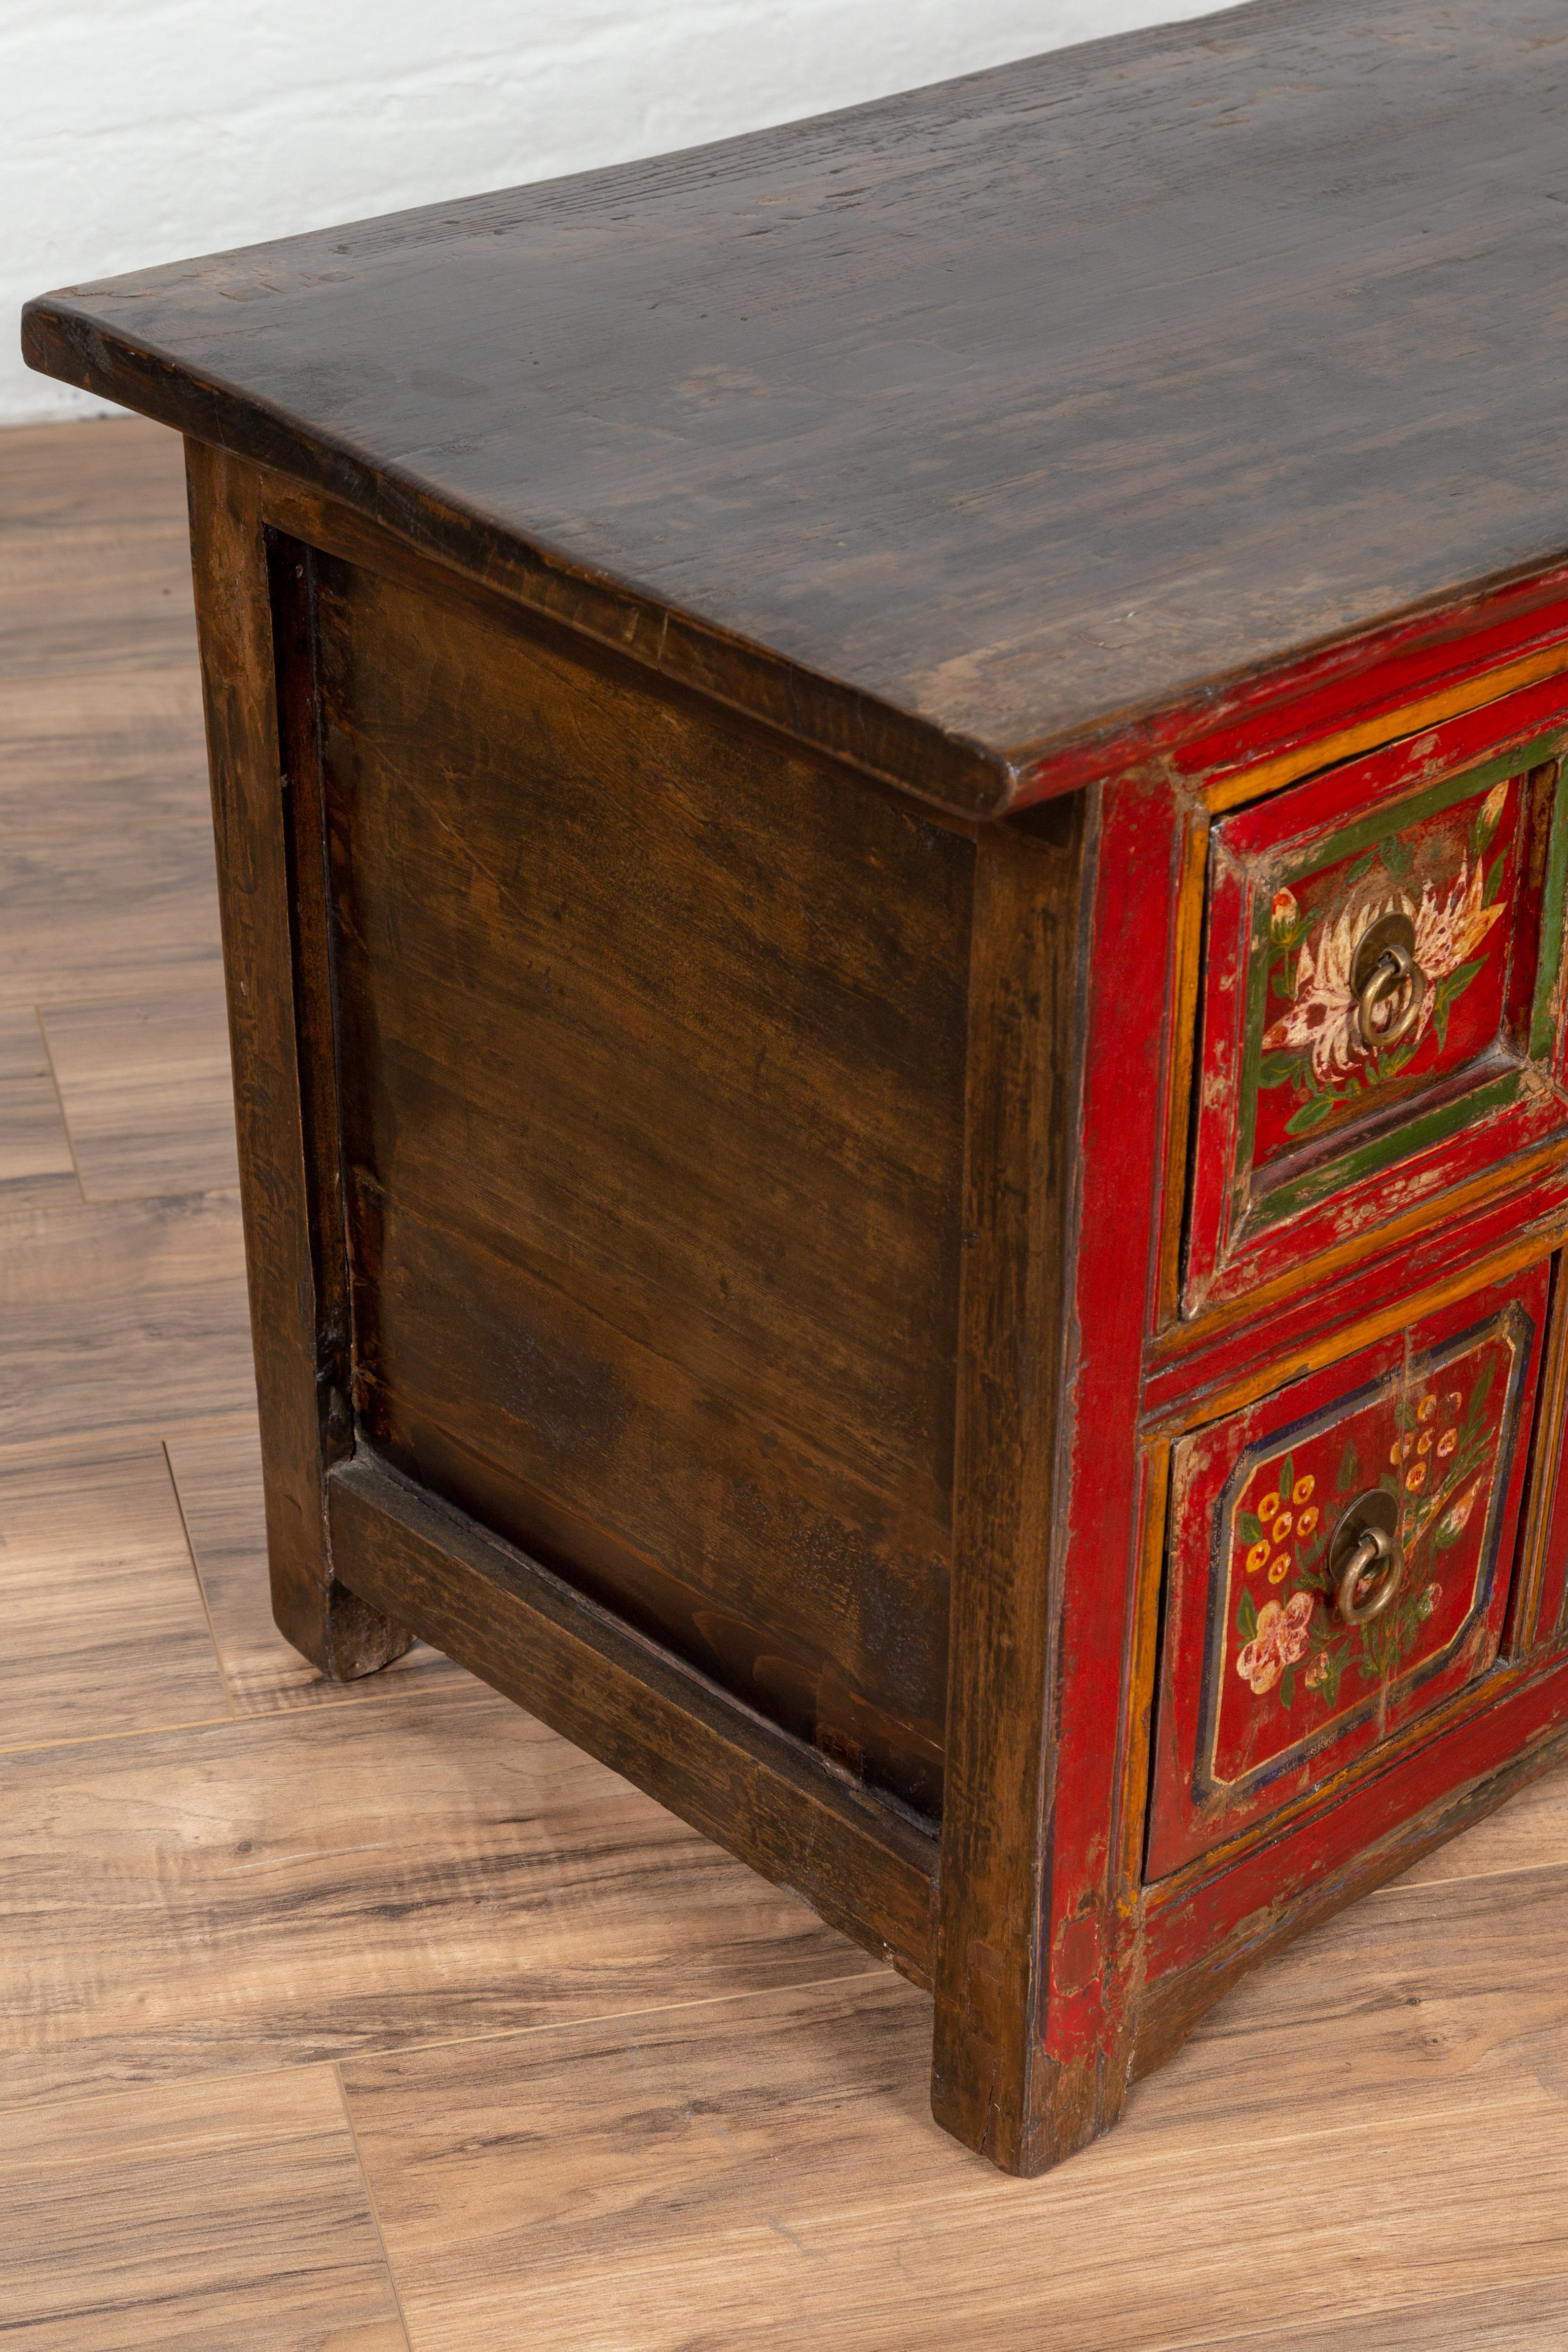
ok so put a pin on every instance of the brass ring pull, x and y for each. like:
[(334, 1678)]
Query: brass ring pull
[(1373, 1548), (1364, 1546), (1385, 969)]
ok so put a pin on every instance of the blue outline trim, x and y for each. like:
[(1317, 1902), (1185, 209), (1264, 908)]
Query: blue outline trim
[(1512, 1320)]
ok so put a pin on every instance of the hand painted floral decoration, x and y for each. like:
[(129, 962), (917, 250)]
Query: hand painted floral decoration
[(1280, 1640), (1435, 1446), (1316, 1046)]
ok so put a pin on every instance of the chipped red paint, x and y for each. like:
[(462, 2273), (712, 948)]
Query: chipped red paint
[(1264, 1690), (1305, 1137), (1156, 1890), (1122, 1130), (1455, 874)]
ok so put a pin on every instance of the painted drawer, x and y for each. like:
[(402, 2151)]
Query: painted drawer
[(1296, 1646), (1381, 1009)]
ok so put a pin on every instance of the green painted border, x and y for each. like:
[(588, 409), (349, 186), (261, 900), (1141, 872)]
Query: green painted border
[(1257, 1213), (1415, 1134), (1542, 1026)]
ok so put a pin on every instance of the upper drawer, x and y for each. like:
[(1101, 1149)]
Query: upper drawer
[(1381, 1015)]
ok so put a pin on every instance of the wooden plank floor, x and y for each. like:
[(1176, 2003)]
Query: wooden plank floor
[(379, 2017)]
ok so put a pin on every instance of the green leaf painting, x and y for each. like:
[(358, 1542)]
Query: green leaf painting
[(1432, 1440), (1320, 1058)]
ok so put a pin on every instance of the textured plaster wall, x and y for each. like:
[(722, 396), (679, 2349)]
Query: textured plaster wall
[(138, 132)]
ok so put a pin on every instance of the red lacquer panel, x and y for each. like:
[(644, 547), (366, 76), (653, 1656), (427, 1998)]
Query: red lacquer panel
[(1454, 874), (1265, 1689), (1321, 1112)]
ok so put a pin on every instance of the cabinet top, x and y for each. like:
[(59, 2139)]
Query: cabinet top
[(973, 432)]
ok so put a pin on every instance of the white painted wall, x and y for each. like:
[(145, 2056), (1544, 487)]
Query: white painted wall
[(137, 132)]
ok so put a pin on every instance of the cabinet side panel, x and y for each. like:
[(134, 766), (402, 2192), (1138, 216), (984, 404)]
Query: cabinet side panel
[(652, 1044), (258, 690)]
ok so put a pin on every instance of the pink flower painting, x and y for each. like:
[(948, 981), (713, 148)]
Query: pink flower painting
[(1279, 1641)]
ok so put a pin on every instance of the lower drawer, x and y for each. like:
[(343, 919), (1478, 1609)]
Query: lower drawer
[(1340, 1561)]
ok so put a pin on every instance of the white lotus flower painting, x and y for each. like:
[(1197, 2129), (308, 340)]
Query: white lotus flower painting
[(1317, 1054)]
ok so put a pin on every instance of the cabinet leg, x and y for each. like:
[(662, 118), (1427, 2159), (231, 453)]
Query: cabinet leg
[(1008, 2099), (341, 1635)]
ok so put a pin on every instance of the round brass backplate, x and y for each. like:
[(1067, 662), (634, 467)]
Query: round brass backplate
[(1364, 1559), (1384, 970)]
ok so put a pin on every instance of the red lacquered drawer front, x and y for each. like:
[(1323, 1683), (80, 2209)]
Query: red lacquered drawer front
[(1332, 1100), (1266, 1691)]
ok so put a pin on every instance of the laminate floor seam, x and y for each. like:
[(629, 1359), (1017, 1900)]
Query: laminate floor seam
[(1406, 1887), (370, 2202), (873, 1973), (1153, 2158), (59, 1098), (103, 999), (196, 1194), (456, 1694), (201, 1586), (119, 1739), (89, 1446), (392, 2053), (211, 2079), (1288, 2339)]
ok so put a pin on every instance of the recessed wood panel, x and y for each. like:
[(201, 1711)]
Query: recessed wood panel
[(652, 1042)]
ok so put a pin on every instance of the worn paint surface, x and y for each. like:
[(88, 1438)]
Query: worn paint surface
[(1266, 1688), (1452, 872), (1309, 1130)]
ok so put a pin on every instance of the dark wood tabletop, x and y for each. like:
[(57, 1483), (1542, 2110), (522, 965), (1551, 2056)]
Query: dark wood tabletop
[(1005, 409)]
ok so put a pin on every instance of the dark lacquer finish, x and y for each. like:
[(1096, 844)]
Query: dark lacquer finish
[(893, 817), (1016, 406)]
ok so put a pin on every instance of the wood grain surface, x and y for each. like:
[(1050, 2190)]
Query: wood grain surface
[(304, 1885), (120, 1316), (37, 1169), (118, 476), (119, 597), (217, 1475), (94, 1550), (1519, 2317), (767, 2166), (98, 911), (1002, 407), (118, 748), (195, 2218), (145, 1086), (1363, 2147)]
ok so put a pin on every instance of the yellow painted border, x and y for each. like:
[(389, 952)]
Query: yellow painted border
[(1182, 1341), (1325, 750), (1528, 1248), (1187, 991), (1542, 1493), (1142, 1663)]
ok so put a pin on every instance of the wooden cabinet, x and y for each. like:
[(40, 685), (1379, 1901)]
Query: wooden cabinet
[(890, 814)]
